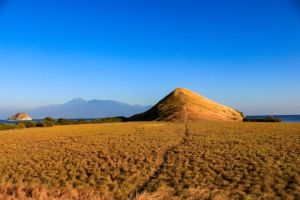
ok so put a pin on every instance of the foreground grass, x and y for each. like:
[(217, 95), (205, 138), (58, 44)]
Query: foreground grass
[(239, 161), (152, 161), (113, 159)]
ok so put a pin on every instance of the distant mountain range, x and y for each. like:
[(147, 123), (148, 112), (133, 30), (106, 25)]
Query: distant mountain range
[(80, 108)]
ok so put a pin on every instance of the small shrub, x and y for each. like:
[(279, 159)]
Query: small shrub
[(44, 124), (109, 120), (266, 119), (27, 124), (82, 121), (62, 121), (8, 126), (48, 122)]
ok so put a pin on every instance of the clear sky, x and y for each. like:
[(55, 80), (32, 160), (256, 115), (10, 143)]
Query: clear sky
[(245, 54)]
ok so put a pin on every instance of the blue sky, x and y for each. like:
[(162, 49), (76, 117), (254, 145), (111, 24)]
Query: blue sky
[(245, 54)]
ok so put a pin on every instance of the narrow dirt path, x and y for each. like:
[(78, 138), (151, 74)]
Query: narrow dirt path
[(158, 171), (163, 165)]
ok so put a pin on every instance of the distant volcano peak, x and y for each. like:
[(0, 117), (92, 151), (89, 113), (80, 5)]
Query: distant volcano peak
[(77, 100)]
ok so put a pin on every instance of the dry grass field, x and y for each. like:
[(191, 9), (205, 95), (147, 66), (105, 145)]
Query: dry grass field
[(236, 160), (114, 159), (151, 160)]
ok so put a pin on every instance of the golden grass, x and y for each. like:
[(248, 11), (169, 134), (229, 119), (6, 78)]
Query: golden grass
[(145, 161), (240, 160), (182, 105), (114, 158)]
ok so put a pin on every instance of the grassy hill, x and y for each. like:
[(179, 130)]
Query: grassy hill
[(184, 105)]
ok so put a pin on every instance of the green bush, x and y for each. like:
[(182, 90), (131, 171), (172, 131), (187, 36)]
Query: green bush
[(266, 119), (7, 126), (44, 124), (27, 124), (48, 122), (20, 125), (82, 121), (109, 120), (62, 121)]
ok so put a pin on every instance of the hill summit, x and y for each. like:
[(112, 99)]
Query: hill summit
[(184, 105), (20, 117)]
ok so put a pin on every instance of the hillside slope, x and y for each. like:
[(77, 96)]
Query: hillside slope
[(183, 104)]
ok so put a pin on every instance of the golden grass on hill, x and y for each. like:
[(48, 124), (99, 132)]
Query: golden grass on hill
[(145, 161), (184, 105)]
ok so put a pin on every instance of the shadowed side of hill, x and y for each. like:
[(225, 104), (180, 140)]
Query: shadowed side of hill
[(182, 105)]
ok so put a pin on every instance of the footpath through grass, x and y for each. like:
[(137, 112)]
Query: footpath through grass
[(235, 161), (207, 160), (111, 158)]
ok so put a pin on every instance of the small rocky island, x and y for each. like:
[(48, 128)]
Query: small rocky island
[(20, 117)]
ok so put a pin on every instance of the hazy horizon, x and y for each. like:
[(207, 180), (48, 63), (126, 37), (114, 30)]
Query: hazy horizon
[(25, 109), (245, 55)]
